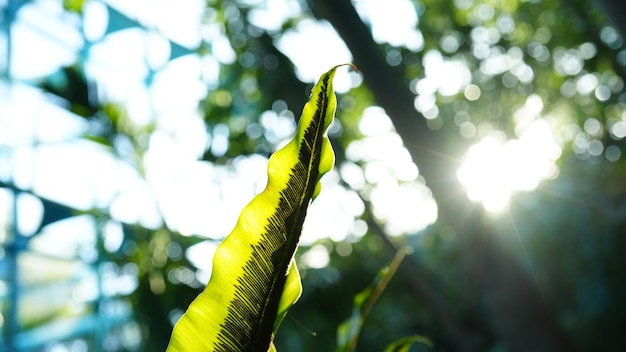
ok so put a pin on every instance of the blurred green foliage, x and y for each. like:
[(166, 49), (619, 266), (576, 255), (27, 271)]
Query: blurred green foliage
[(567, 236)]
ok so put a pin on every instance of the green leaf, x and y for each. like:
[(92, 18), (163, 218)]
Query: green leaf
[(404, 344), (349, 330), (254, 279), (74, 5)]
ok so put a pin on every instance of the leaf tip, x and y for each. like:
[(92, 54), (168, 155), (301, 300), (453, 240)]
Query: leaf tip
[(356, 69)]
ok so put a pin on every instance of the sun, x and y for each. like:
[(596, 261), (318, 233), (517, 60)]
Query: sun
[(495, 168)]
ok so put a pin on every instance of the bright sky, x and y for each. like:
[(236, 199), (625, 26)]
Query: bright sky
[(185, 191)]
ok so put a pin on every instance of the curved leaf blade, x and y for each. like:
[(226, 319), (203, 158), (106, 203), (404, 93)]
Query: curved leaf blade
[(403, 345), (254, 280), (349, 330)]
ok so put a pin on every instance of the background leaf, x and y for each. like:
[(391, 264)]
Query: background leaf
[(348, 331)]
